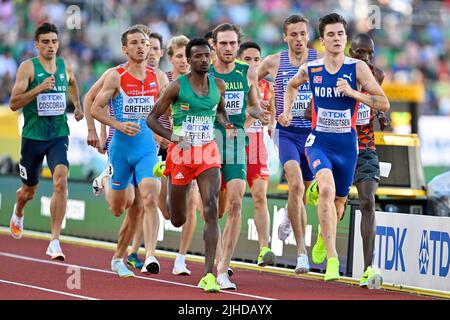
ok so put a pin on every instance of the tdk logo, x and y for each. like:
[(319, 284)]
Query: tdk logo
[(140, 100), (232, 95), (432, 249), (390, 248)]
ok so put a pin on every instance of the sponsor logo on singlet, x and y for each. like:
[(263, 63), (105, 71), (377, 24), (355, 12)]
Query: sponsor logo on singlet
[(51, 104), (333, 121), (137, 107), (363, 115)]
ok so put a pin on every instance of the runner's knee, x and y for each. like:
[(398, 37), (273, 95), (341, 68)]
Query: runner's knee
[(150, 200), (297, 187), (327, 192), (60, 185)]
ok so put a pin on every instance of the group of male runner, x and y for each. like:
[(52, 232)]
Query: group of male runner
[(210, 120)]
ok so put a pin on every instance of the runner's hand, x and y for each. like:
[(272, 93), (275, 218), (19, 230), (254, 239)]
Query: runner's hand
[(383, 120), (162, 142), (344, 88), (92, 139), (79, 115), (264, 104), (265, 117), (129, 128), (102, 144), (231, 131), (285, 119), (48, 84)]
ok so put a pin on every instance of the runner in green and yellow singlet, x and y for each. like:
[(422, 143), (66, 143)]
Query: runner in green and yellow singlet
[(241, 95), (41, 89), (197, 101)]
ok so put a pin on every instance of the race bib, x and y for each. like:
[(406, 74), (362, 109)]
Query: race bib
[(199, 129), (51, 104), (234, 101), (137, 107), (363, 115), (334, 121), (256, 126), (301, 104)]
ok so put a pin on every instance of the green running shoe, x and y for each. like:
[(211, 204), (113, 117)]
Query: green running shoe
[(266, 257), (332, 272), (319, 251), (158, 169), (371, 278), (209, 283), (312, 194), (134, 261)]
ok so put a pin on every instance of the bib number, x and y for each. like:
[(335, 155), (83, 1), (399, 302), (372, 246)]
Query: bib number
[(234, 101), (51, 104)]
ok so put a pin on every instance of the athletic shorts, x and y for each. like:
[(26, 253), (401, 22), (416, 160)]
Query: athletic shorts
[(341, 164), (291, 146), (32, 156), (367, 167), (128, 166), (234, 157), (183, 166), (256, 158)]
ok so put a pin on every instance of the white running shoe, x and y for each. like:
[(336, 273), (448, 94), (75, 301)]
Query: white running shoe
[(302, 264), (285, 227), (54, 250), (224, 282), (119, 267), (16, 225), (180, 268), (151, 265), (97, 185)]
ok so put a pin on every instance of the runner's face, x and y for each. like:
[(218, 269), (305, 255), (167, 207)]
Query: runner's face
[(334, 38), (179, 61), (362, 51), (137, 47), (200, 59), (227, 46), (252, 57), (297, 37), (47, 45), (155, 53)]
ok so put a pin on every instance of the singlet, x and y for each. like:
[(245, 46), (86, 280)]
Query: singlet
[(285, 72), (364, 125), (193, 114), (333, 114), (134, 103), (45, 116), (264, 89)]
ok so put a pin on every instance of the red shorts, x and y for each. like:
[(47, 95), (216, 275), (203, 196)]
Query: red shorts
[(256, 158), (185, 165)]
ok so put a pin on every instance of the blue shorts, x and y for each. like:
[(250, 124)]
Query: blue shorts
[(32, 156), (291, 146), (130, 163), (342, 165)]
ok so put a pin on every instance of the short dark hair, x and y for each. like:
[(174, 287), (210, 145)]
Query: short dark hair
[(208, 35), (227, 27), (362, 37), (44, 28), (158, 36), (292, 19), (195, 42), (248, 45), (331, 18), (131, 30)]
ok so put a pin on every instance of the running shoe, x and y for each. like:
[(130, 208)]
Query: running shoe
[(371, 278), (230, 272), (134, 261), (16, 225), (209, 283), (180, 268), (266, 257), (332, 272), (285, 227), (97, 184), (158, 169), (119, 267), (312, 194), (151, 265), (54, 250), (319, 251), (302, 264), (224, 282)]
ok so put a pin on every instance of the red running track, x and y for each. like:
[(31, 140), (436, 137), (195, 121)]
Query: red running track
[(27, 273)]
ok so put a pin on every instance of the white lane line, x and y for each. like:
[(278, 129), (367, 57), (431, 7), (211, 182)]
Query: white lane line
[(48, 290), (15, 256)]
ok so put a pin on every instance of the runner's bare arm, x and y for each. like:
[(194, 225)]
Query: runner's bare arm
[(162, 104), (20, 97), (271, 108), (74, 92), (375, 98), (292, 88), (92, 138), (253, 106), (268, 66), (163, 81), (221, 114)]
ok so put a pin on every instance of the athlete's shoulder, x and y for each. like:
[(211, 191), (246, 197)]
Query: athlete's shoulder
[(349, 60), (241, 65)]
